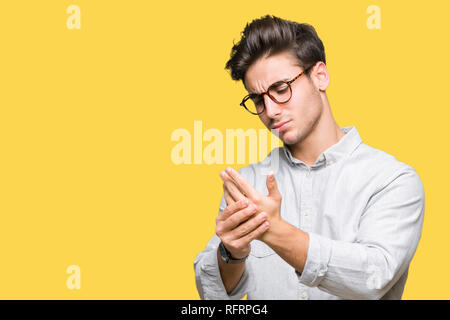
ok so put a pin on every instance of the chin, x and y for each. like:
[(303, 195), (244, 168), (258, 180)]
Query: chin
[(289, 138)]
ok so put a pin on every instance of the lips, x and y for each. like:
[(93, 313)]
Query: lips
[(280, 125)]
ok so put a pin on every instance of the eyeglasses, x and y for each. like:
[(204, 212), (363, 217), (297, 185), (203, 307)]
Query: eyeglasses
[(280, 92)]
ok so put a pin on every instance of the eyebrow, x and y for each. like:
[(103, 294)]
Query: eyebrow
[(282, 80)]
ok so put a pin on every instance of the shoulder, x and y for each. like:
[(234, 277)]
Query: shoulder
[(384, 168)]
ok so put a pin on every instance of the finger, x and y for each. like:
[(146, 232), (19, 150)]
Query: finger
[(242, 184), (272, 188), (239, 217), (235, 193), (227, 196), (227, 178), (248, 226), (232, 209), (263, 227)]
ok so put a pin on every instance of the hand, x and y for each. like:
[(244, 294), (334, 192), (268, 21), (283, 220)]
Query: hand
[(237, 188), (238, 225)]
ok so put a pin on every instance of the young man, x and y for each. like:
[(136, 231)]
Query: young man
[(338, 219)]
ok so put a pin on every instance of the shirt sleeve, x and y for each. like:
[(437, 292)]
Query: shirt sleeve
[(388, 235), (207, 273), (207, 276)]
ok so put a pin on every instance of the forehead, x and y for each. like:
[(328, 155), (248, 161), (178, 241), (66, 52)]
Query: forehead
[(268, 70)]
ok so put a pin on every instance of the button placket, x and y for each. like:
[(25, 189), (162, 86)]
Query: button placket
[(306, 203)]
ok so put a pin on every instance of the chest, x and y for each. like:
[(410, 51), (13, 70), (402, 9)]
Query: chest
[(325, 203)]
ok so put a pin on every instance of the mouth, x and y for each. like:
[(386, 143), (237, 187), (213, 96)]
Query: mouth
[(280, 126)]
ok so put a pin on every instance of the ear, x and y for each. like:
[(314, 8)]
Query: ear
[(320, 76)]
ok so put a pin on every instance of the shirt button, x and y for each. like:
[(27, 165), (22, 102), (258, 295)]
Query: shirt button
[(308, 173), (306, 212), (304, 295), (330, 163)]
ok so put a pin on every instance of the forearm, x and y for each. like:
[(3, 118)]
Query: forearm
[(348, 270), (230, 273), (289, 242)]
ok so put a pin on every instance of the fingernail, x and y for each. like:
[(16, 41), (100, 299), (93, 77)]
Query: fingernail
[(262, 216)]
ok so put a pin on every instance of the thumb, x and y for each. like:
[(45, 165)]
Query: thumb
[(272, 187)]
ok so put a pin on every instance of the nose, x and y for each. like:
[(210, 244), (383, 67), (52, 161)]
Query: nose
[(273, 109)]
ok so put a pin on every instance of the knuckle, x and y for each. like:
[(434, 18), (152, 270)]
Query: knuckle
[(233, 245), (248, 238), (232, 207), (255, 221), (225, 239), (233, 220), (250, 210), (257, 232)]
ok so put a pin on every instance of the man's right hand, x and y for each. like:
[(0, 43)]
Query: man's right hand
[(238, 225)]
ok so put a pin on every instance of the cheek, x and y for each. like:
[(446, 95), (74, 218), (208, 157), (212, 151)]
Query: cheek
[(264, 119), (303, 107), (297, 110)]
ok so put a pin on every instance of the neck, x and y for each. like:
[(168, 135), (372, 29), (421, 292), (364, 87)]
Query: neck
[(324, 134)]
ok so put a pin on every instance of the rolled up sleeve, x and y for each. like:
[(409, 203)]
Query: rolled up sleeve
[(388, 235)]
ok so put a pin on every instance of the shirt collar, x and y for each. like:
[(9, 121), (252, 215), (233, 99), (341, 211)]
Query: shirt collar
[(343, 148)]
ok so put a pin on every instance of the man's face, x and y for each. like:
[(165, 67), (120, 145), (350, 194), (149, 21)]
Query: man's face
[(301, 113)]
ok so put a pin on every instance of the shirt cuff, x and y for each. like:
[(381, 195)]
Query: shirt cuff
[(316, 266), (211, 280)]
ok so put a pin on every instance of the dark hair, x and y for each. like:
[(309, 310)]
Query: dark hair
[(270, 35)]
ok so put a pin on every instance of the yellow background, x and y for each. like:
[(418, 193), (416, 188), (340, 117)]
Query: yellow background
[(86, 118)]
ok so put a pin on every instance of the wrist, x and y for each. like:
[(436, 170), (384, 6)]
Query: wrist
[(278, 229), (228, 257), (275, 227), (289, 242)]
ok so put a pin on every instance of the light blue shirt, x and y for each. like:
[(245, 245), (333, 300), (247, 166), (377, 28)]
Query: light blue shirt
[(363, 211)]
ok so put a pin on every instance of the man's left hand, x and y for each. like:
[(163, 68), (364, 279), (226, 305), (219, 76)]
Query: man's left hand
[(236, 188)]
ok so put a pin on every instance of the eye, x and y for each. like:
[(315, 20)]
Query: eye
[(257, 100), (281, 88)]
